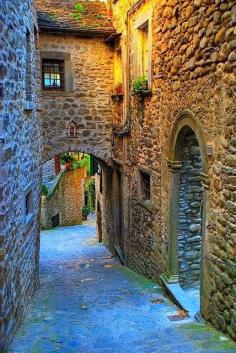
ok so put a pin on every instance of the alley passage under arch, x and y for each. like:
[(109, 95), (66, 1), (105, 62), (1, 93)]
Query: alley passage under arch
[(88, 302)]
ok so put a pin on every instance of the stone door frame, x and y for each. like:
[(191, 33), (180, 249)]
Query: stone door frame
[(185, 119)]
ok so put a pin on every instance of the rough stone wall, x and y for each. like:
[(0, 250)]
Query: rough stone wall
[(143, 248), (48, 172), (98, 207), (190, 213), (20, 138), (71, 203), (88, 103), (105, 198), (50, 205), (223, 229), (193, 56), (65, 200)]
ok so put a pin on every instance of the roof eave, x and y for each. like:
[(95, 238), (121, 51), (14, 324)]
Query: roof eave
[(83, 32)]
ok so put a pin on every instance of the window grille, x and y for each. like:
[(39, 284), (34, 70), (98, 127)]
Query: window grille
[(53, 74)]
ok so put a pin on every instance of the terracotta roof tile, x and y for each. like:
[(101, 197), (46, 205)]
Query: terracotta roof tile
[(72, 16)]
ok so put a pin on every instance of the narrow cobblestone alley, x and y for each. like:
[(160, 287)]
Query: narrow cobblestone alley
[(89, 303)]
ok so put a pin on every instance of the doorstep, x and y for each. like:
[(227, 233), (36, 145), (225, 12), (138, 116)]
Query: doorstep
[(183, 299), (119, 253)]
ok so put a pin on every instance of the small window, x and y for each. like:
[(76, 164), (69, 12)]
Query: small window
[(118, 79), (29, 203), (145, 185), (53, 74), (143, 50)]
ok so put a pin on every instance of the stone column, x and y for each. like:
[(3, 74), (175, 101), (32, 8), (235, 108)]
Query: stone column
[(171, 275)]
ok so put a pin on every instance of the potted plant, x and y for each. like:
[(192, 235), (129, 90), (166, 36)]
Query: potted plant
[(140, 85), (63, 164), (85, 213)]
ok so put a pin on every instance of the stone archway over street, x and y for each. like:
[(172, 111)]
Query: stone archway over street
[(113, 79)]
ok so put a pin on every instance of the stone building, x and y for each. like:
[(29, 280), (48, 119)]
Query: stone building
[(79, 115), (20, 162), (67, 190), (150, 93), (64, 202), (76, 77), (174, 150)]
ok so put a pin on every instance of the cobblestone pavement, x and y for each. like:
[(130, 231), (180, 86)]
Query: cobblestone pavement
[(89, 303)]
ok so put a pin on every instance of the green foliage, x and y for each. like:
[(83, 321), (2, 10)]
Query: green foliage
[(99, 16), (44, 190), (79, 9), (76, 16), (85, 210), (90, 187), (66, 158), (83, 163), (140, 84)]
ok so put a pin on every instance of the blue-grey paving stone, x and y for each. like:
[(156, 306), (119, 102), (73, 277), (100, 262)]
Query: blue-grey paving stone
[(82, 306)]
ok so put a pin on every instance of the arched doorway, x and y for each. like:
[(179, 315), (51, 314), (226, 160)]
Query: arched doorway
[(190, 206), (187, 210)]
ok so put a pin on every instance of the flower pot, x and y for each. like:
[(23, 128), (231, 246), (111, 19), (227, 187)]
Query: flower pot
[(119, 89)]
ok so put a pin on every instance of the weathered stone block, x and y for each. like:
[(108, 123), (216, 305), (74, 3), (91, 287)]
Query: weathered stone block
[(195, 228), (231, 160)]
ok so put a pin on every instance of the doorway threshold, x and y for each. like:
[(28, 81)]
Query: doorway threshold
[(188, 300)]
